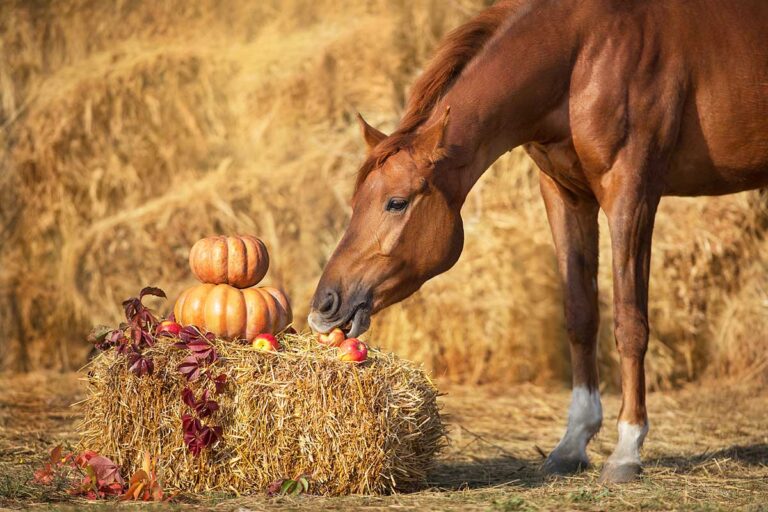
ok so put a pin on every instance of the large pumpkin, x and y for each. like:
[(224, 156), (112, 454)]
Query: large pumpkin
[(233, 313), (239, 261)]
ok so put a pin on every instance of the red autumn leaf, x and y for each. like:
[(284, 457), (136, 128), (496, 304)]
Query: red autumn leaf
[(151, 290), (140, 365), (203, 407), (190, 368), (198, 436), (82, 459), (188, 397), (131, 308), (220, 382), (137, 314), (193, 434), (105, 470), (192, 333), (198, 342), (211, 435), (44, 475), (145, 337), (102, 478), (56, 455), (203, 350)]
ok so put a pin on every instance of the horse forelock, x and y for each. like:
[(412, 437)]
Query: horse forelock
[(455, 53)]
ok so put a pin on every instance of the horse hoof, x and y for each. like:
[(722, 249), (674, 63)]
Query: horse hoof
[(562, 466), (620, 473)]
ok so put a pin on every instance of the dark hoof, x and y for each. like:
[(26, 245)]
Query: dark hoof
[(620, 473), (558, 466)]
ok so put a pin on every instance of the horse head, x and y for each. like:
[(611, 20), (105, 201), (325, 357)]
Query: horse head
[(405, 228)]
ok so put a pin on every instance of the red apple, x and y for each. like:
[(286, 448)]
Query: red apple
[(354, 350), (170, 327), (266, 342), (333, 338)]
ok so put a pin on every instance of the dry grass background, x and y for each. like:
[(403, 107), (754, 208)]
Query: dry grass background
[(129, 129)]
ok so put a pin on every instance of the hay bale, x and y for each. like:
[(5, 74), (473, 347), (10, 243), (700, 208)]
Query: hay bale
[(368, 428)]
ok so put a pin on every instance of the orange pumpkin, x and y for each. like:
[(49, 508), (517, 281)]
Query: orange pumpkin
[(233, 313), (239, 261)]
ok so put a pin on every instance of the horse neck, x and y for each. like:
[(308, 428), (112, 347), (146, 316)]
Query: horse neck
[(500, 100)]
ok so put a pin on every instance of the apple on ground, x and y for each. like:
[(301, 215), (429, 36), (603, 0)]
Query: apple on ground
[(333, 338), (169, 326), (353, 350), (266, 342)]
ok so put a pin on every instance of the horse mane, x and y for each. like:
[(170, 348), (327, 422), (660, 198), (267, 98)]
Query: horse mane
[(453, 55)]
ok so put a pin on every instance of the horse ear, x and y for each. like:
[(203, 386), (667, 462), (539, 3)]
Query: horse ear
[(371, 135), (432, 140)]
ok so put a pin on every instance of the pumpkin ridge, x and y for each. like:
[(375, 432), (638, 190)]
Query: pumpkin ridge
[(243, 273)]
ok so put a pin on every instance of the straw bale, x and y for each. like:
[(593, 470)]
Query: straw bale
[(355, 429)]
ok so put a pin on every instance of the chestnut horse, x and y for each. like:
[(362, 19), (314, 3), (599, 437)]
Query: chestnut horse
[(619, 103)]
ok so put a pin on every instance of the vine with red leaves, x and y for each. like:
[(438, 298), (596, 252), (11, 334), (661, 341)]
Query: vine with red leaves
[(133, 336), (140, 332), (198, 368)]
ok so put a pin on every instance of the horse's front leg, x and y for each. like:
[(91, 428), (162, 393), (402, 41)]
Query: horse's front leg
[(573, 220), (631, 210)]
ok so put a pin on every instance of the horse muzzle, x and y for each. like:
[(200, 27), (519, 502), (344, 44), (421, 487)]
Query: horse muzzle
[(330, 311)]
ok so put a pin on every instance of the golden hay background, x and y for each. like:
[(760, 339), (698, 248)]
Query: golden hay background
[(132, 128)]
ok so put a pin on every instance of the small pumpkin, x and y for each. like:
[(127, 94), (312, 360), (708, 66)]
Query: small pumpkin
[(233, 313), (239, 261)]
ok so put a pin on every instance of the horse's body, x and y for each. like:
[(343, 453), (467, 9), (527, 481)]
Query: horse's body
[(693, 74), (619, 103)]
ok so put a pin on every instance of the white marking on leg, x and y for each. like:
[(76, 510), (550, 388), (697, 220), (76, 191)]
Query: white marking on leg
[(631, 439), (585, 416)]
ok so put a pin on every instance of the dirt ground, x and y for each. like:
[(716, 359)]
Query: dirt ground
[(707, 450)]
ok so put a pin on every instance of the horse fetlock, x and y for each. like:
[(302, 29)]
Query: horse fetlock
[(624, 463), (585, 416)]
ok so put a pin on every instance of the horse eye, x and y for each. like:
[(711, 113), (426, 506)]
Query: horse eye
[(397, 204)]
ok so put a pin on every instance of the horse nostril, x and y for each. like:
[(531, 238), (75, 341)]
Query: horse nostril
[(330, 303)]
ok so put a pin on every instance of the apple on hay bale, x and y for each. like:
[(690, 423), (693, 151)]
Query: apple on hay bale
[(333, 338), (266, 343), (353, 350), (170, 327)]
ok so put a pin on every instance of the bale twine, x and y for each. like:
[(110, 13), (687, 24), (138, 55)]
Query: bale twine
[(363, 428)]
